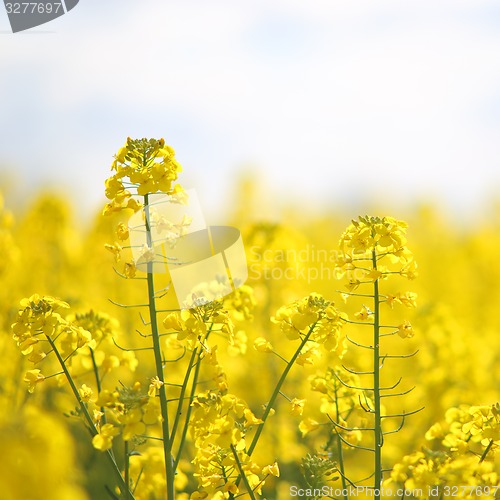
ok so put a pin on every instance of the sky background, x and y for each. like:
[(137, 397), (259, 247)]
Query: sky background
[(327, 103)]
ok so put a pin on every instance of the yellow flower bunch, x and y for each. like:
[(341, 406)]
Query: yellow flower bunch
[(367, 232), (39, 326), (462, 457), (130, 411), (193, 325), (370, 248), (316, 318), (221, 317), (150, 166), (468, 429), (219, 426)]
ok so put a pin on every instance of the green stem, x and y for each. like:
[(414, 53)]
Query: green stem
[(242, 473), (376, 382), (127, 468), (93, 431), (486, 451), (183, 392), (188, 413), (96, 370), (167, 444), (98, 382), (180, 405), (339, 445), (277, 390)]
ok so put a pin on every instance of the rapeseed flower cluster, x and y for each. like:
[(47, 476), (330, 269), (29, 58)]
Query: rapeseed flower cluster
[(460, 457), (315, 318), (142, 167), (220, 424), (37, 330), (386, 237)]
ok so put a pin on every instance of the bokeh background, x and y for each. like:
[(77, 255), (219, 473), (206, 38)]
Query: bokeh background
[(325, 102)]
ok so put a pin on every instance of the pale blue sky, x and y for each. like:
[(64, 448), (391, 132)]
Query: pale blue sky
[(331, 100)]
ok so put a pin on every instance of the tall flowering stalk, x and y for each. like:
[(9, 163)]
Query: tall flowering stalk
[(144, 167), (373, 250)]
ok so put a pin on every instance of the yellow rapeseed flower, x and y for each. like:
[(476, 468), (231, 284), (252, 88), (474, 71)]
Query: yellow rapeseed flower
[(104, 440)]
